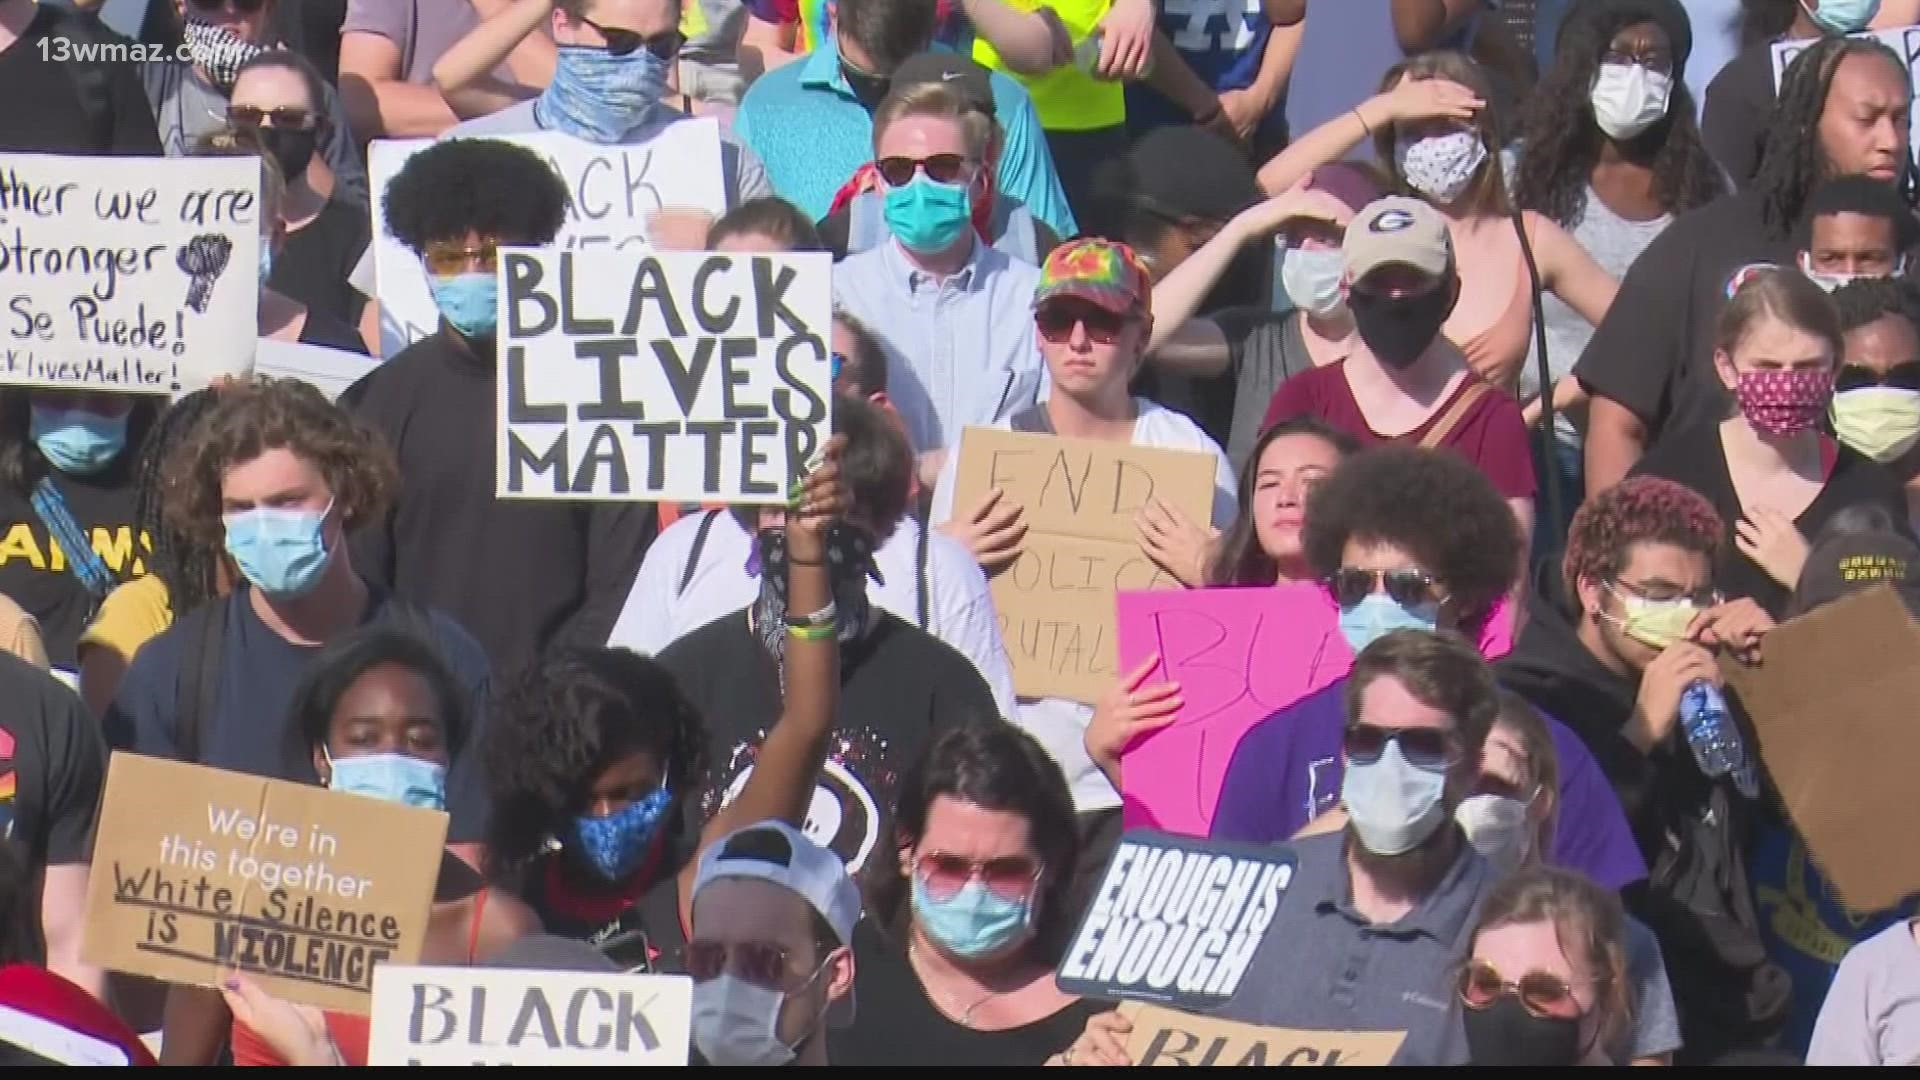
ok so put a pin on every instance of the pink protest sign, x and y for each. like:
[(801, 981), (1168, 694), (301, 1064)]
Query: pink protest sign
[(1239, 655)]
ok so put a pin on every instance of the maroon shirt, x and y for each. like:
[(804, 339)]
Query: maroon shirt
[(1491, 435)]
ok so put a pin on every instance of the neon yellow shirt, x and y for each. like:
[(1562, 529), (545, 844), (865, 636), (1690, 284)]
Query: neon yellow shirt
[(1067, 98)]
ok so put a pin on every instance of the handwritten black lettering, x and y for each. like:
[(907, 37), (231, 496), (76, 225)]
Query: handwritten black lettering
[(523, 284)]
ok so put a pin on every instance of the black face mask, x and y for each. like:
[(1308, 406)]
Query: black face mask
[(292, 149), (869, 89), (1398, 329), (1505, 1033)]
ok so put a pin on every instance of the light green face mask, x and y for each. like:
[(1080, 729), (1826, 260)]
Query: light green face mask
[(1882, 422), (1656, 624)]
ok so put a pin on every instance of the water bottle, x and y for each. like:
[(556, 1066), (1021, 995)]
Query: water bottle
[(1713, 737)]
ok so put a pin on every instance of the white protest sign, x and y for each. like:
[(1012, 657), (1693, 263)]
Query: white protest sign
[(497, 1016), (611, 191), (1905, 43), (139, 275), (330, 371), (674, 377)]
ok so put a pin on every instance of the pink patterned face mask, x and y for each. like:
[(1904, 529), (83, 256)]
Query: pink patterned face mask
[(1784, 403)]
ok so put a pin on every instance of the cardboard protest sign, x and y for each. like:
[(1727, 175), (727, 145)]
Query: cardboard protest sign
[(1175, 920), (1832, 705), (1163, 1037), (1239, 655), (1079, 499), (613, 190), (676, 376), (1905, 43), (197, 871), (138, 275), (498, 1016), (329, 371)]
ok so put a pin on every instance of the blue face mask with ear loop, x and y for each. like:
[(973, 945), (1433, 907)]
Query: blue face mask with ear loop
[(394, 778), (1841, 16)]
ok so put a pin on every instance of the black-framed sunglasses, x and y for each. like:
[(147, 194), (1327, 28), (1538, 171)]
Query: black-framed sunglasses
[(1407, 587), (284, 118), (941, 168), (1424, 748), (623, 42), (1904, 376)]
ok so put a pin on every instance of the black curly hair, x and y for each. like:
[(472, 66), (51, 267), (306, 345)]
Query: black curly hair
[(1793, 163), (1869, 300), (187, 566), (1563, 142), (1862, 195), (565, 720), (341, 664), (1432, 504), (494, 188)]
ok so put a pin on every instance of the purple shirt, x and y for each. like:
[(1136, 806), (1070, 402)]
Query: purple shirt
[(1286, 772)]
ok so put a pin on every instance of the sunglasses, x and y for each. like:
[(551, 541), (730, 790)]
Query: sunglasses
[(944, 875), (1898, 377), (759, 963), (1407, 587), (249, 116), (1424, 748), (448, 260), (621, 42), (1056, 322), (244, 7), (1543, 995), (940, 168)]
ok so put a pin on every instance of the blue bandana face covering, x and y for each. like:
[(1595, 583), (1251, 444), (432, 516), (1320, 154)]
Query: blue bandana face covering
[(600, 97), (615, 844)]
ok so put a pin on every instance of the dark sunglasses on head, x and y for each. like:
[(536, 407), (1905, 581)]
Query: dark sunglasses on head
[(1407, 587), (244, 7), (1424, 748), (621, 42), (1056, 321), (944, 875), (1858, 377), (1543, 995), (941, 168), (248, 116), (758, 963)]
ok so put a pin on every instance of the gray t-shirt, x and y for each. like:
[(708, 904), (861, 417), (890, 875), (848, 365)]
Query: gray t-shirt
[(1614, 243), (1872, 1012), (187, 108), (1265, 348), (1656, 1022), (421, 29)]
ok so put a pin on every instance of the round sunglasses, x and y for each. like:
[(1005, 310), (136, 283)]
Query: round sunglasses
[(1542, 994), (943, 875)]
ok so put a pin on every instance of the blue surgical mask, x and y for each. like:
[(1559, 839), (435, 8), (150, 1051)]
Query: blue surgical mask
[(76, 441), (283, 553), (470, 302), (395, 778), (927, 216), (1841, 16), (1394, 804), (1379, 615), (974, 922), (614, 845), (1312, 279), (599, 97)]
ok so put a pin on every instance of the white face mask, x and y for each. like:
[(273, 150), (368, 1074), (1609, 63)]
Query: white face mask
[(1498, 829), (738, 1023), (1628, 99), (1394, 805), (1441, 167), (1312, 280), (1835, 282)]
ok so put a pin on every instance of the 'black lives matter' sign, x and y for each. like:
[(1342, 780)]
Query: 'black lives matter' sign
[(137, 275), (681, 377)]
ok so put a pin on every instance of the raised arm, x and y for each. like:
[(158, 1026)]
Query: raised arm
[(510, 35), (1412, 100), (1029, 42), (380, 102), (1422, 24)]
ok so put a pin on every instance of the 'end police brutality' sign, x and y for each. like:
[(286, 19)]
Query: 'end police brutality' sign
[(1176, 920), (684, 377)]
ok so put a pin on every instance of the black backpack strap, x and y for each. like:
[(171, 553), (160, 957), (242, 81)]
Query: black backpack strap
[(204, 630), (922, 588), (699, 546), (1033, 421)]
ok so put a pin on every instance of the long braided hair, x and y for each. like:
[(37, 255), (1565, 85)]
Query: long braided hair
[(1794, 163), (187, 566)]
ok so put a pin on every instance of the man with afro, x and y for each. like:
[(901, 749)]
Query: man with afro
[(521, 576), (1405, 538)]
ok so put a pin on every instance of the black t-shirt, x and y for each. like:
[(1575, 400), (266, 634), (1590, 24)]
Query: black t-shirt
[(1653, 353), (325, 330), (899, 687), (896, 1023), (1738, 109), (249, 729), (637, 926), (315, 261), (41, 103), (1695, 457), (38, 575), (53, 765)]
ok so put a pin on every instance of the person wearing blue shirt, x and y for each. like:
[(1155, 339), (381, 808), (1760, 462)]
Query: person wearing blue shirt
[(811, 121), (1233, 48)]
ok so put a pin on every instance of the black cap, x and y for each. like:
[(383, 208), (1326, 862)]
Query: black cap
[(968, 78), (1851, 562), (1185, 172)]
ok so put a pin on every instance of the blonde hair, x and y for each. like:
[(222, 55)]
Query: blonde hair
[(941, 102), (1589, 924)]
